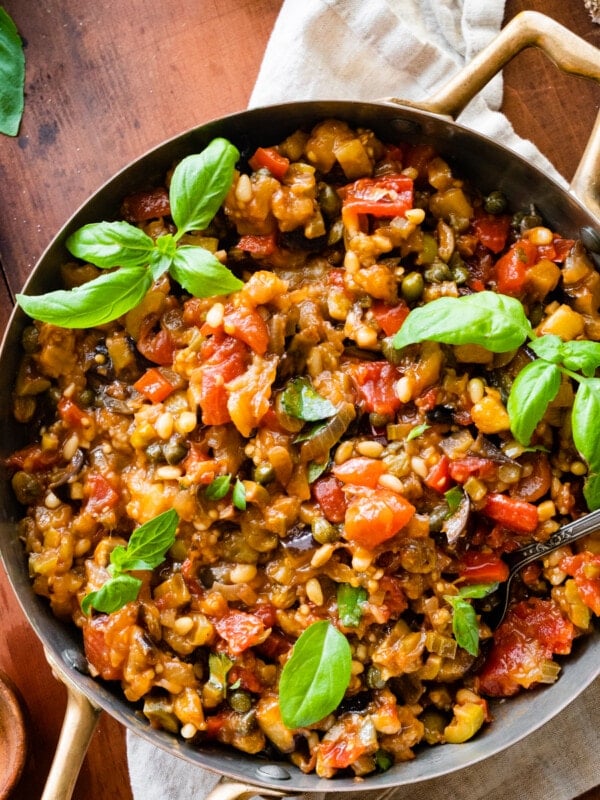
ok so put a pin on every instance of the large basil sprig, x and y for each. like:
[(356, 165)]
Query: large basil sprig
[(12, 76), (198, 187), (499, 323)]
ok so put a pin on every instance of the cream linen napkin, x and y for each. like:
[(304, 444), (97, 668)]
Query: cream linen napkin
[(365, 50)]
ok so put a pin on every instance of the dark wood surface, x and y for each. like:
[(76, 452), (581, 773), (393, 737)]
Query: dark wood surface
[(106, 81)]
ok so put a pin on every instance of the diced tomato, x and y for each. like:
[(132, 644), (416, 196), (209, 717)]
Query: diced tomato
[(557, 250), (511, 268), (198, 467), (71, 414), (477, 566), (145, 205), (390, 318), (260, 245), (463, 468), (532, 631), (328, 493), (100, 495), (438, 478), (106, 640), (158, 347), (585, 569), (154, 385), (418, 157), (245, 679), (394, 597), (241, 630), (224, 358), (492, 231), (361, 471), (340, 753), (269, 158), (387, 196), (375, 515), (248, 326), (518, 515), (335, 277), (376, 384), (32, 458)]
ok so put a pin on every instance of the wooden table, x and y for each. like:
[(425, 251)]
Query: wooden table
[(107, 80)]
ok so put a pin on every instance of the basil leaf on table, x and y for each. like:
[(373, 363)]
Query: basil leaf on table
[(201, 274), (93, 303), (199, 185), (533, 389), (315, 678), (115, 594), (111, 244), (494, 321), (350, 601), (12, 76), (300, 399)]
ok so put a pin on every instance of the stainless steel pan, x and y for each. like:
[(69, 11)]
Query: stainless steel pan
[(491, 167)]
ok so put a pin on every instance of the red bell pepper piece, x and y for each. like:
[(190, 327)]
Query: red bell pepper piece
[(492, 231), (511, 268), (388, 196), (390, 318), (328, 493), (71, 413), (518, 515), (438, 477), (479, 567), (269, 158), (585, 569), (360, 471), (463, 468), (376, 382), (155, 386), (260, 245)]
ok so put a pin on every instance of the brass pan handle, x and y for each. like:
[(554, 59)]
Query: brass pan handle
[(569, 52)]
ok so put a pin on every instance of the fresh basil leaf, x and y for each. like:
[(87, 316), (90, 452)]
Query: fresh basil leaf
[(299, 399), (464, 624), (12, 76), (581, 355), (238, 495), (548, 347), (415, 432), (478, 590), (201, 274), (533, 389), (147, 544), (307, 434), (218, 667), (199, 185), (584, 419), (218, 488), (494, 321), (350, 602), (453, 498), (315, 678), (111, 244), (315, 470), (115, 594), (94, 303), (591, 491)]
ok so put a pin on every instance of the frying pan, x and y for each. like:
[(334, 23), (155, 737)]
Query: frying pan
[(491, 167)]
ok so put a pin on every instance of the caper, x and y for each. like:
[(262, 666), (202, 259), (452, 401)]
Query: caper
[(438, 272), (264, 472), (328, 200), (154, 452), (412, 287), (26, 487), (86, 397), (525, 219), (323, 531), (377, 420), (429, 250), (30, 339), (336, 233), (240, 701), (374, 678), (54, 394), (174, 450), (495, 203), (460, 273)]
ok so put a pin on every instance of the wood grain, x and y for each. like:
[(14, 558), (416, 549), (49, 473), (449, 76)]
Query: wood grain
[(105, 82)]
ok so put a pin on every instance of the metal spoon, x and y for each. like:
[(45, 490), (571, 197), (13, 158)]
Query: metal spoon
[(525, 555)]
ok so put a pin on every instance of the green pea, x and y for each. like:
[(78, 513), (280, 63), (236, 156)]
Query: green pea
[(412, 287)]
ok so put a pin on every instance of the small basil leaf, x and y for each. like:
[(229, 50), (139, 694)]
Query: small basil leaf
[(299, 399), (12, 76), (217, 489), (591, 491), (581, 355), (548, 347), (158, 264), (199, 185), (115, 594), (350, 602), (478, 590), (464, 624), (238, 496), (147, 544), (585, 417), (415, 432), (492, 320), (218, 667), (533, 389), (111, 244), (94, 303), (453, 498), (315, 470), (315, 678), (201, 274)]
